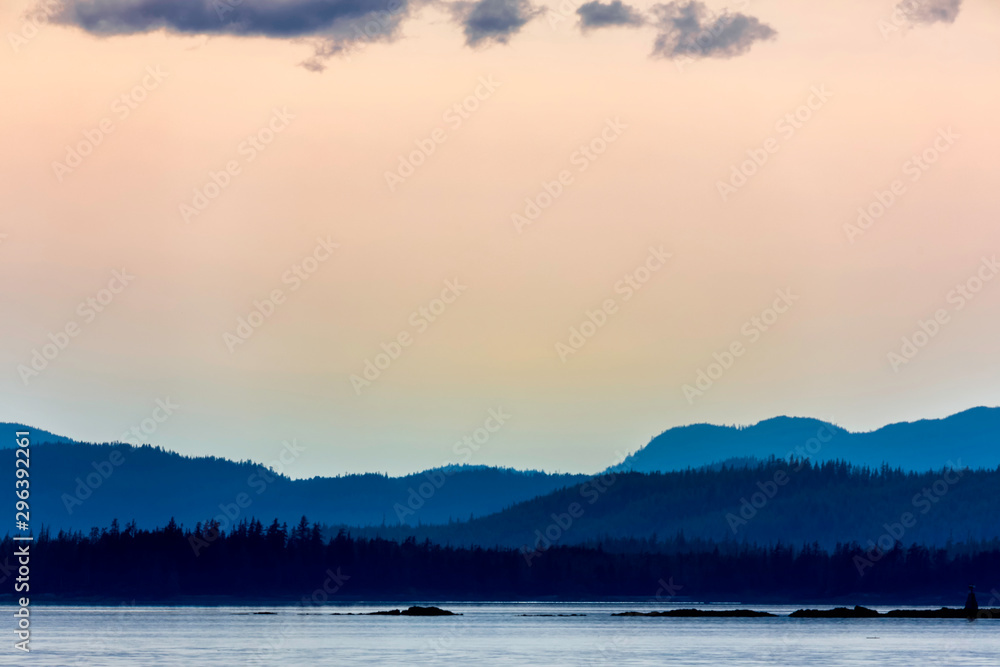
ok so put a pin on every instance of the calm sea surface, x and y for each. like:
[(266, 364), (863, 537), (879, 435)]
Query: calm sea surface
[(486, 634)]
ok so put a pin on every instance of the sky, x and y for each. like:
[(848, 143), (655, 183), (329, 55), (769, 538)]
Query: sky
[(376, 229)]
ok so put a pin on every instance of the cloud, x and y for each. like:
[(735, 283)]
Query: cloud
[(335, 24), (493, 20), (930, 11), (689, 30), (338, 26), (598, 15)]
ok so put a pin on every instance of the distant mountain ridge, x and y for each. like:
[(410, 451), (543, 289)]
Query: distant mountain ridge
[(8, 435), (972, 437), (78, 485), (773, 502)]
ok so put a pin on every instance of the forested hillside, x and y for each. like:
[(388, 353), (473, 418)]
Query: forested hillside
[(77, 486), (776, 501)]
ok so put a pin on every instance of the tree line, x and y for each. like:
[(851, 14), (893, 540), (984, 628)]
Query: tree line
[(254, 561)]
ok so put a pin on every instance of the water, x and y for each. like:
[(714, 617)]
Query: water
[(487, 634)]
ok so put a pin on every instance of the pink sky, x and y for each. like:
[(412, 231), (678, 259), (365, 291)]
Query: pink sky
[(316, 197)]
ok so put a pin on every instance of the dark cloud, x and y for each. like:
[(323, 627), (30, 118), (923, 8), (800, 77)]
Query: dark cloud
[(269, 18), (688, 29), (338, 26), (493, 20), (930, 11), (335, 24), (599, 15)]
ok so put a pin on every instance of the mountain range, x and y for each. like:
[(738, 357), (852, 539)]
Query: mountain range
[(773, 502), (76, 486), (971, 436)]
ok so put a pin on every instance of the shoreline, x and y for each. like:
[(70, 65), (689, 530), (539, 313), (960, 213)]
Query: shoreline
[(857, 612), (685, 608)]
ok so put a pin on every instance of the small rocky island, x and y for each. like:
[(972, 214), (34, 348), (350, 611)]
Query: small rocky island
[(701, 613), (409, 611), (839, 612), (865, 612), (415, 611), (971, 611)]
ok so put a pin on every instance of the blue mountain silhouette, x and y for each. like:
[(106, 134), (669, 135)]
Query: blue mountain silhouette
[(8, 435), (77, 485), (971, 437)]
